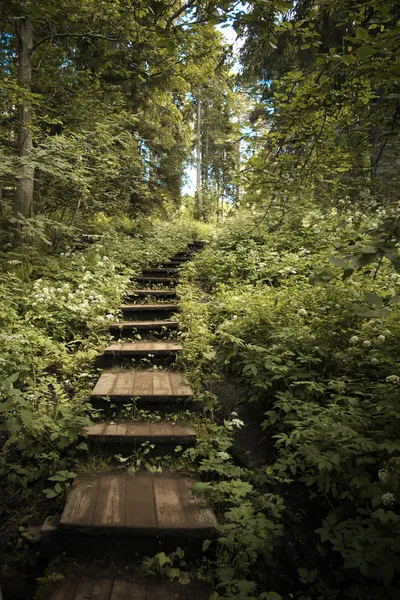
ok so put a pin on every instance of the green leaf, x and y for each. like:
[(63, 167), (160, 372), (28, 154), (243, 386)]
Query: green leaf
[(373, 299), (338, 262), (362, 34)]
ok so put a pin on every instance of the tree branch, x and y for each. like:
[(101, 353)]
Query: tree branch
[(60, 35)]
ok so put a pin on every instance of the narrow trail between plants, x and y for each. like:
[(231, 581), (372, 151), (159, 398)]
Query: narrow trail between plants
[(144, 513)]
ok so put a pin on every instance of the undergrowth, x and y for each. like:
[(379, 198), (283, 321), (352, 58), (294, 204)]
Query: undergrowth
[(317, 348)]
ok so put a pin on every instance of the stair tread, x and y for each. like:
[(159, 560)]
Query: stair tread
[(130, 504), (142, 384), (129, 430), (149, 292), (122, 589), (140, 307), (157, 279), (143, 347), (144, 324)]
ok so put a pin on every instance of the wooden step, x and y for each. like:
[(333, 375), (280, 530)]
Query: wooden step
[(148, 312), (157, 280), (159, 271), (121, 589), (155, 386), (131, 432), (133, 349), (144, 307), (163, 293), (173, 264), (146, 328), (161, 352), (140, 513)]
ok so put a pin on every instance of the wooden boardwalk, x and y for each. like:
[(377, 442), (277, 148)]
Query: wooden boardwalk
[(142, 513)]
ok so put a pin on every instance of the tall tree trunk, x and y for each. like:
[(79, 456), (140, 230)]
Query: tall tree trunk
[(238, 166), (24, 195), (198, 204)]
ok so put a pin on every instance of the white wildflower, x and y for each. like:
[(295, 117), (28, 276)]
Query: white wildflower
[(382, 475), (388, 499), (353, 339), (302, 312), (223, 455), (374, 361), (366, 343), (381, 338), (237, 423), (393, 379)]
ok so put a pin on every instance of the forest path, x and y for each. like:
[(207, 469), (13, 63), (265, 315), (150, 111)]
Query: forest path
[(143, 513)]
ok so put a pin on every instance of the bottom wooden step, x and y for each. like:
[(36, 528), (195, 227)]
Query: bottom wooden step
[(121, 589), (133, 514)]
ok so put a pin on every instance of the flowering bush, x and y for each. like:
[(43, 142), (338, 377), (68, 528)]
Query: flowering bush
[(319, 352), (55, 308)]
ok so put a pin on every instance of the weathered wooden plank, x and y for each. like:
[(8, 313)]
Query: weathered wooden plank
[(156, 432), (153, 292), (97, 429), (80, 504), (179, 387), (168, 503), (125, 590), (66, 591), (138, 430), (122, 429), (157, 347), (95, 590), (125, 383), (162, 384), (161, 591), (160, 324), (146, 384), (161, 430), (111, 502), (145, 307), (183, 431), (110, 430), (105, 384), (199, 516), (140, 511), (143, 383)]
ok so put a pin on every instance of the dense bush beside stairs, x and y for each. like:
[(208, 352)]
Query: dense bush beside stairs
[(319, 358), (56, 305)]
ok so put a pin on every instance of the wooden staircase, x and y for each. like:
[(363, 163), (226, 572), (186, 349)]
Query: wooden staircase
[(142, 513)]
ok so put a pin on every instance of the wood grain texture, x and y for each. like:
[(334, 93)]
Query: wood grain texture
[(128, 504), (157, 347), (121, 589), (131, 432), (168, 503), (66, 591), (160, 384), (148, 325), (94, 590), (111, 503), (80, 506), (149, 292), (125, 590), (144, 307), (140, 509)]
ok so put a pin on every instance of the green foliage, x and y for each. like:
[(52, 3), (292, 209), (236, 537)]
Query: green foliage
[(320, 359), (55, 310)]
